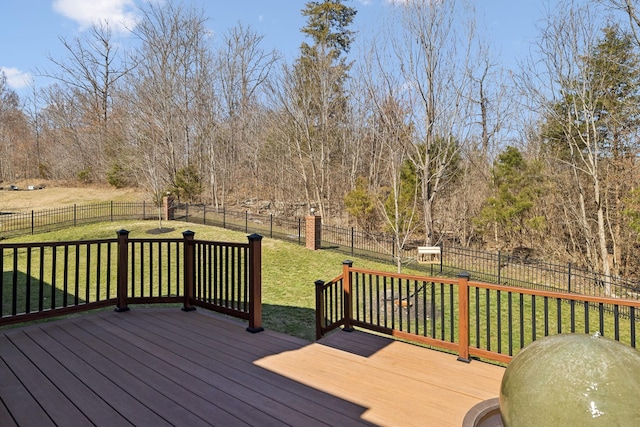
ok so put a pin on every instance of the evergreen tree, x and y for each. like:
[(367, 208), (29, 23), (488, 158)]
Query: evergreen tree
[(517, 184), (361, 205), (321, 72), (402, 200)]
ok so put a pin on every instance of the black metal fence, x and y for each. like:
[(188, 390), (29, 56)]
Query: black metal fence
[(493, 267), (18, 224)]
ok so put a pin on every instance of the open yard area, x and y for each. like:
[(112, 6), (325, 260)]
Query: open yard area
[(54, 195)]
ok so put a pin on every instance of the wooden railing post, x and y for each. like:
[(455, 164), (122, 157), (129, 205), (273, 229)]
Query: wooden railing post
[(463, 316), (189, 270), (123, 270), (320, 320), (255, 283), (347, 299)]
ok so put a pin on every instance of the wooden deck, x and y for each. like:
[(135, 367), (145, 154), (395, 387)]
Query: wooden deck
[(155, 367)]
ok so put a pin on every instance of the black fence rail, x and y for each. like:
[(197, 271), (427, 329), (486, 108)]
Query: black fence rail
[(472, 319), (40, 280), (355, 242), (291, 229), (32, 222)]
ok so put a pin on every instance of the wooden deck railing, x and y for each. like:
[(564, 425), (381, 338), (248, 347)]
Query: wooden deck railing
[(472, 319), (48, 279)]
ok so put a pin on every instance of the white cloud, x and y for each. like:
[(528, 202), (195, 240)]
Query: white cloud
[(15, 78), (118, 13)]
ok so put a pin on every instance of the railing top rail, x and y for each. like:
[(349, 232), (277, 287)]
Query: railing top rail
[(405, 276), (53, 244), (558, 295), (114, 240), (218, 243), (147, 240), (334, 280)]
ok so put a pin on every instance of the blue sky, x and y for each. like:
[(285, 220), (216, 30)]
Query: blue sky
[(30, 29)]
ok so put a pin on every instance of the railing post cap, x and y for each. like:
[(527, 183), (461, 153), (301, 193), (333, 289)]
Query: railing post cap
[(464, 275), (188, 233), (319, 282), (122, 232), (254, 236), (347, 262)]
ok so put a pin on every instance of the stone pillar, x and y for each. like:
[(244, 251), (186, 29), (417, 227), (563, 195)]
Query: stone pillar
[(313, 232), (168, 208)]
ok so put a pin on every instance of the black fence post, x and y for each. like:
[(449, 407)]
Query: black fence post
[(271, 226), (111, 210), (224, 217), (299, 231), (246, 221), (352, 235), (32, 223), (186, 212), (204, 214), (569, 277), (144, 210), (499, 268), (75, 214)]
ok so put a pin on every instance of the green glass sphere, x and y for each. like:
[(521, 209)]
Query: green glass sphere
[(572, 380)]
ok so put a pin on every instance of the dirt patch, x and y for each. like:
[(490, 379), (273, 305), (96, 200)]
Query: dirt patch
[(56, 196), (160, 230)]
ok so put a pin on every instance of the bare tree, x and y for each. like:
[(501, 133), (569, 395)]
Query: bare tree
[(32, 109), (586, 85), (171, 87), (15, 138), (90, 72), (565, 39), (433, 52), (66, 153), (629, 8), (243, 67), (392, 179)]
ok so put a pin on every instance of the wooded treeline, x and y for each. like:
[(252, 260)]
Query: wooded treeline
[(419, 131)]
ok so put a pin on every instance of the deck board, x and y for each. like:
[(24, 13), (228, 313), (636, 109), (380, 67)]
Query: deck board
[(166, 367), (19, 401), (37, 383)]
